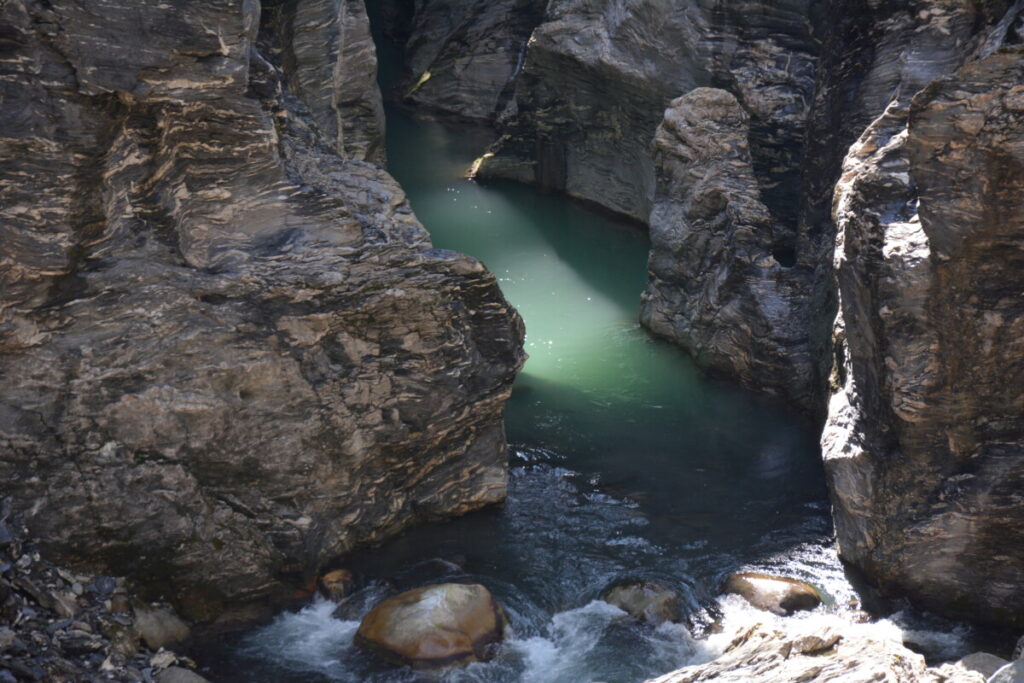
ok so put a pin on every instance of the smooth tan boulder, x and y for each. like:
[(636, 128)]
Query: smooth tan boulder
[(648, 601), (776, 594), (434, 626)]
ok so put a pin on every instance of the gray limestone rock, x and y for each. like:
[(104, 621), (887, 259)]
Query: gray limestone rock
[(227, 353), (821, 650)]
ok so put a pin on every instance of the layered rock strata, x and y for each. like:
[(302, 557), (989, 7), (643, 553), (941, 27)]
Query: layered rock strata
[(462, 57), (227, 353), (923, 444), (331, 63), (715, 287)]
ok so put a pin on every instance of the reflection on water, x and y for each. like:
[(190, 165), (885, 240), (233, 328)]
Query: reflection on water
[(626, 461)]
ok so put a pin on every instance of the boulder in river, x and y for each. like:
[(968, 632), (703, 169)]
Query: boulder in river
[(336, 584), (435, 626), (649, 601), (776, 594)]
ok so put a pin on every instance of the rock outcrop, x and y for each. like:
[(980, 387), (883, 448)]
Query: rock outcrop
[(923, 446), (820, 650), (61, 626), (716, 288), (227, 353)]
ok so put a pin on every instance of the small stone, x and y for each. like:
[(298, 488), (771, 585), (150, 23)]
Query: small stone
[(103, 585), (776, 594), (119, 603), (648, 601), (159, 627), (177, 674), (163, 659), (77, 588), (983, 662), (336, 585), (6, 638)]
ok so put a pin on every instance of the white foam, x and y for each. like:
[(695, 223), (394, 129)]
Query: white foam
[(310, 640)]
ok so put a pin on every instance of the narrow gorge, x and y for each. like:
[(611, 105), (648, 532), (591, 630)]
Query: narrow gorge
[(261, 353)]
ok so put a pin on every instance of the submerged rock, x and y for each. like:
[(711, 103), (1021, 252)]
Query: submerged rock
[(435, 626), (648, 601), (776, 594), (984, 663)]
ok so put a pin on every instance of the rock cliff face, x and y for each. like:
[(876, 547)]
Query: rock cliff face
[(715, 287), (462, 56), (596, 82), (227, 352), (923, 446)]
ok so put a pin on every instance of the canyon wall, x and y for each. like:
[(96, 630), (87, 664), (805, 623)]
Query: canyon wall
[(228, 350), (793, 160), (923, 446)]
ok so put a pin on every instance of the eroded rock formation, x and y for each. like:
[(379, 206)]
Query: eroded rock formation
[(923, 446), (227, 353), (715, 287)]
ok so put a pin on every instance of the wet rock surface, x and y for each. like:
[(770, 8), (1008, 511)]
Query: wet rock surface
[(434, 626), (229, 353), (821, 650), (648, 601), (776, 594), (60, 626)]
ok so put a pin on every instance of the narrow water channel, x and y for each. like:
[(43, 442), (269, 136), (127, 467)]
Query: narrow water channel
[(626, 462)]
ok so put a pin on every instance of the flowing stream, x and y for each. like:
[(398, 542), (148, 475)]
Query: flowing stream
[(626, 462)]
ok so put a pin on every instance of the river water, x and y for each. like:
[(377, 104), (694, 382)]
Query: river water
[(625, 462)]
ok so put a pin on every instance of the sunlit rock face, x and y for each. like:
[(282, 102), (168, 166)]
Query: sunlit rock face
[(228, 352), (923, 445)]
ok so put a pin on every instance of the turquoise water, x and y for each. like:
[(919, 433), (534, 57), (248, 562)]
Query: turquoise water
[(626, 462)]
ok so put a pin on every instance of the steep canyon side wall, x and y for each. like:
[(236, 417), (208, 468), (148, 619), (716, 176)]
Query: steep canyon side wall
[(228, 351), (795, 160)]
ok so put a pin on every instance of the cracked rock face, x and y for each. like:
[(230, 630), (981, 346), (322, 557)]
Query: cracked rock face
[(923, 444), (715, 287), (227, 353)]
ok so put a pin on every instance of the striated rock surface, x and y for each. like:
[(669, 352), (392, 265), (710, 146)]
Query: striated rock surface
[(462, 56), (598, 75), (715, 287), (820, 650), (331, 62), (923, 447), (227, 353)]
